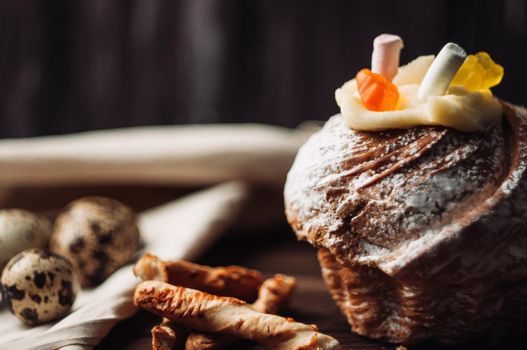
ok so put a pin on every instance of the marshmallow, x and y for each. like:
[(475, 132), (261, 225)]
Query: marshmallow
[(385, 56), (442, 71)]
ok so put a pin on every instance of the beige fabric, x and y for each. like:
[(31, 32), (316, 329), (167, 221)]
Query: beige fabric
[(190, 155), (173, 155)]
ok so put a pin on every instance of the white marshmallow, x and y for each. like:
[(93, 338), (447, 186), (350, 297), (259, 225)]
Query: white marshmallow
[(385, 56), (442, 71)]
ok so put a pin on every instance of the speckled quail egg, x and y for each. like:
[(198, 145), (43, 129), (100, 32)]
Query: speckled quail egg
[(20, 230), (97, 235), (38, 286)]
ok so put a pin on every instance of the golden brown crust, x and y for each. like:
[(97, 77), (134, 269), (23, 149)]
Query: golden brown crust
[(208, 341), (224, 315), (365, 296), (273, 295), (230, 281), (331, 274), (168, 336), (430, 248), (234, 281)]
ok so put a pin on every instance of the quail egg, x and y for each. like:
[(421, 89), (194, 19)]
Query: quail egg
[(20, 230), (97, 235), (38, 286)]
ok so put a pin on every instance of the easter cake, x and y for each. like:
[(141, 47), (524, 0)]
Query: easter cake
[(415, 197)]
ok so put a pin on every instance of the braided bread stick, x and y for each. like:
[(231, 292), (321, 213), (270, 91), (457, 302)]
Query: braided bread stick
[(209, 313), (228, 281), (168, 336), (233, 281), (272, 296)]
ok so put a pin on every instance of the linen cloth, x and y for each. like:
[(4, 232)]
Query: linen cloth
[(180, 155), (229, 158)]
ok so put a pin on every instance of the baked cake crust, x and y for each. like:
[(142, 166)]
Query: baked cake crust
[(422, 232)]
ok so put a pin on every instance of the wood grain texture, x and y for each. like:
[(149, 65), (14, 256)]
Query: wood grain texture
[(69, 66), (272, 252)]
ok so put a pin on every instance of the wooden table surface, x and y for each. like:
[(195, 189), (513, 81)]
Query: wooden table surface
[(278, 252)]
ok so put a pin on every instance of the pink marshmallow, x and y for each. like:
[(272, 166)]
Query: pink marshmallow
[(385, 56)]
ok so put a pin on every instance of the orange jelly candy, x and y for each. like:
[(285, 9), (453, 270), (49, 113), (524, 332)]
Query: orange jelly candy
[(376, 93)]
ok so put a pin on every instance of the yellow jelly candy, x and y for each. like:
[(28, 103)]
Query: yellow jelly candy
[(478, 72)]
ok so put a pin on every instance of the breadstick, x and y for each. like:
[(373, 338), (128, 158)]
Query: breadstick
[(273, 295), (209, 313), (208, 341), (242, 283), (168, 336), (233, 281)]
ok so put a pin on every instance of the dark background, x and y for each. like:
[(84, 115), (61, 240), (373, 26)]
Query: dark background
[(68, 66)]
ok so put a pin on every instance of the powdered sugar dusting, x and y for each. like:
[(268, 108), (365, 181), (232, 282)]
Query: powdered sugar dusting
[(425, 229), (379, 193)]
